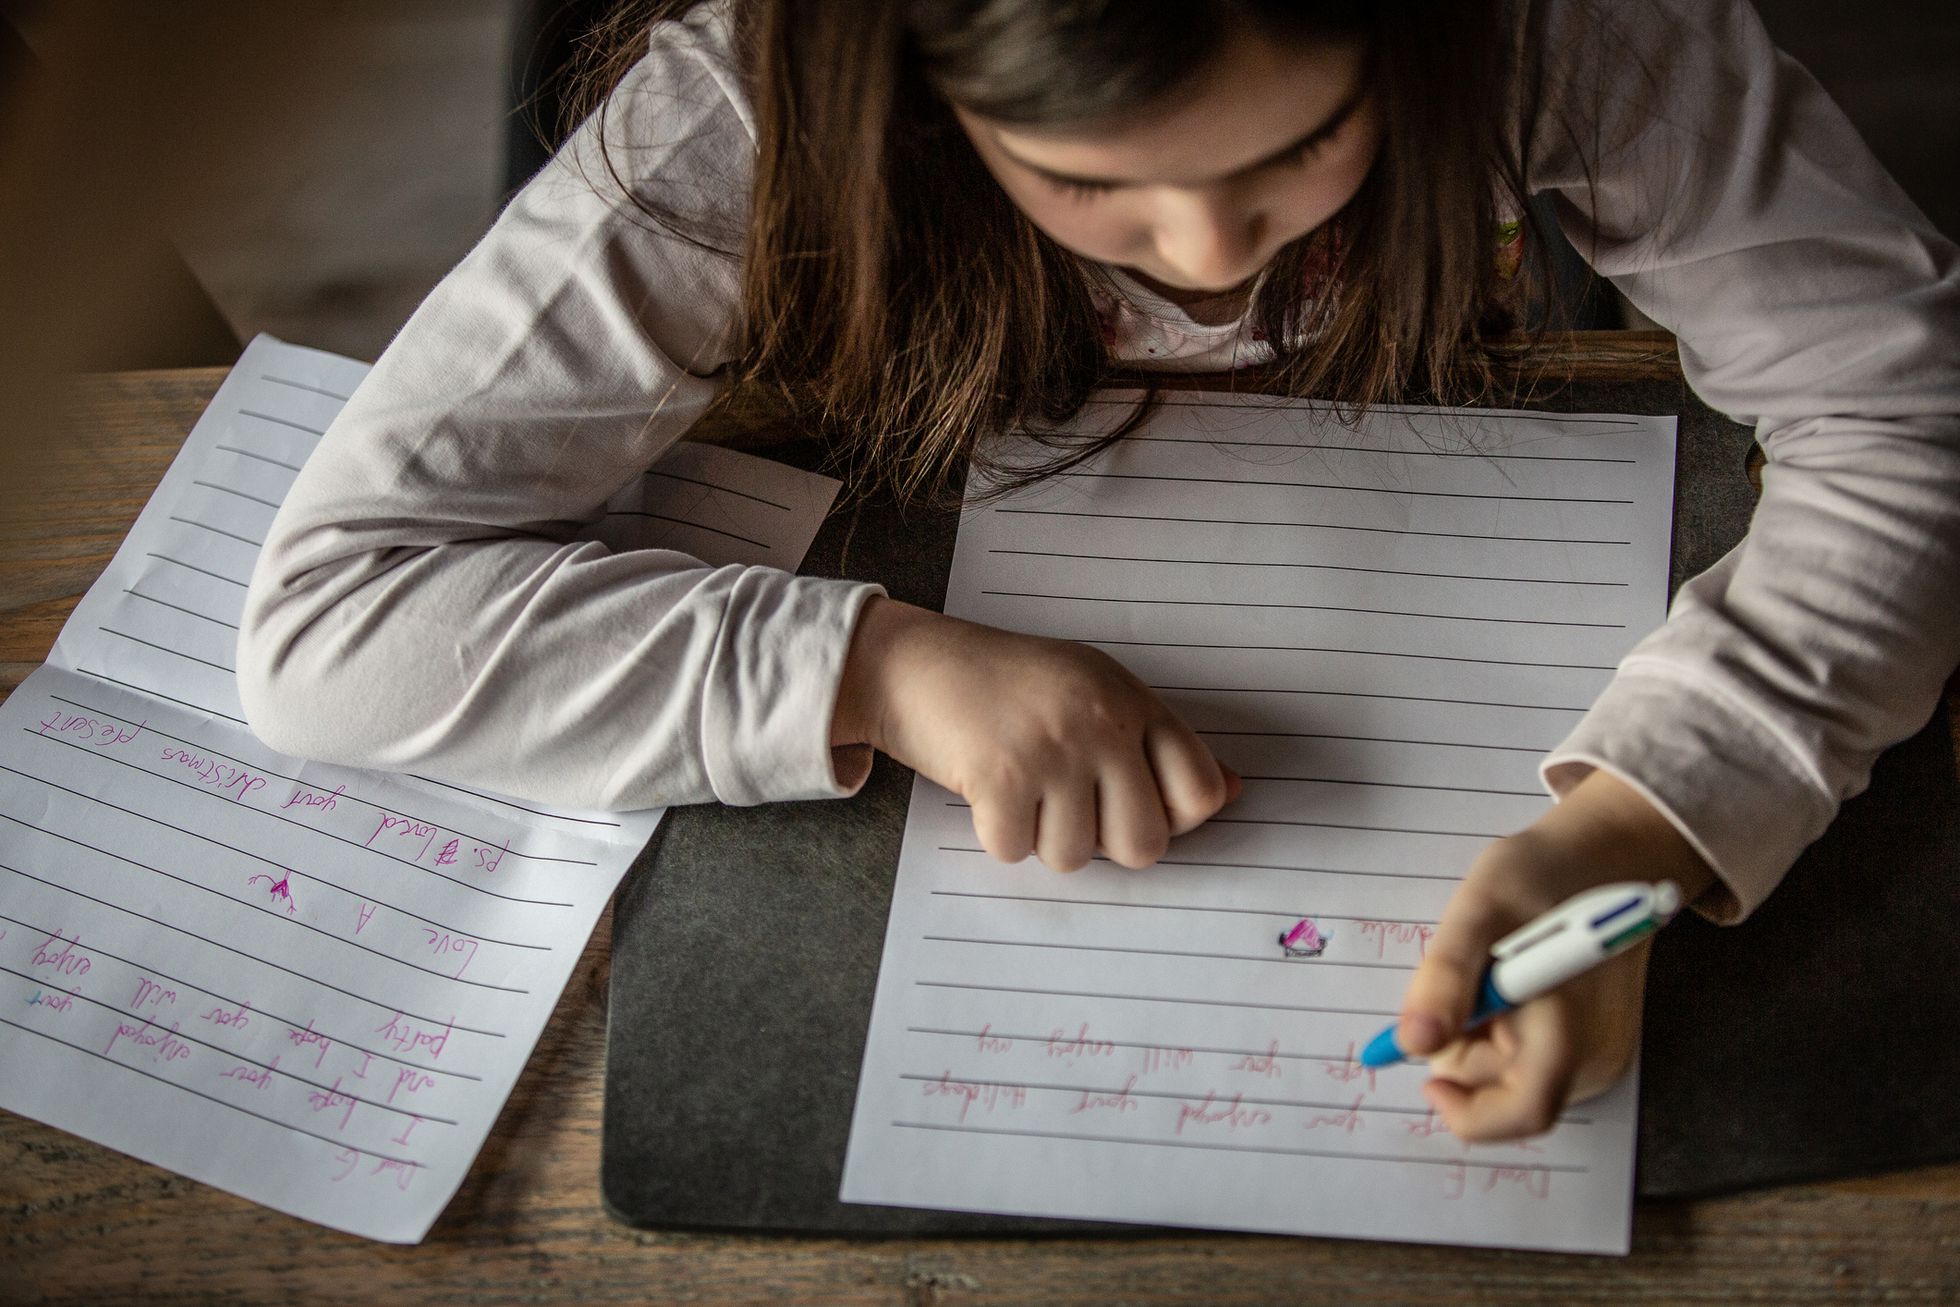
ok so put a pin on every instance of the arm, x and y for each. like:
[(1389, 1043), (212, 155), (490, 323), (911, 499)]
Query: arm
[(1734, 205), (420, 603)]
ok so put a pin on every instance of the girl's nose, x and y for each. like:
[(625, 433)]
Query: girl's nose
[(1210, 240)]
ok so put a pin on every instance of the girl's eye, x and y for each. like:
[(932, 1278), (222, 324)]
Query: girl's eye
[(1080, 192)]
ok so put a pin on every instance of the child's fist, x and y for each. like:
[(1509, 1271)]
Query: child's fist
[(1059, 750)]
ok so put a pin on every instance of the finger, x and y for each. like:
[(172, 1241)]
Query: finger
[(1444, 987), (1189, 778), (1526, 1100), (1472, 1062), (1065, 827), (1004, 825), (1135, 829)]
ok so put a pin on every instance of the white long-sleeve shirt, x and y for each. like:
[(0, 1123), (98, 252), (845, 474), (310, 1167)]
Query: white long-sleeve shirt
[(421, 602)]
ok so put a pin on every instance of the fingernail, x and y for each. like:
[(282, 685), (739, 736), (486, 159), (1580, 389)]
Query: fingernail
[(1421, 1034)]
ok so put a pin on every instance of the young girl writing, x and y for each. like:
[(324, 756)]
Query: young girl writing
[(922, 220)]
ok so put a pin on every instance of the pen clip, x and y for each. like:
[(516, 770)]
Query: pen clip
[(1576, 913)]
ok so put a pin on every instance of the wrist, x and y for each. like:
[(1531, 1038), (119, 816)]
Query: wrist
[(883, 626), (1614, 833)]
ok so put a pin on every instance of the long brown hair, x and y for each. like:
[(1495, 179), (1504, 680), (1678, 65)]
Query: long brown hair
[(902, 306)]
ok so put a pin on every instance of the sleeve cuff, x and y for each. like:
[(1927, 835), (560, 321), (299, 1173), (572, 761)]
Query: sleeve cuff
[(772, 690), (1711, 768)]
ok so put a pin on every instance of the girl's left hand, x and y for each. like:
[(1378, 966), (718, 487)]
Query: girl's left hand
[(1513, 1076)]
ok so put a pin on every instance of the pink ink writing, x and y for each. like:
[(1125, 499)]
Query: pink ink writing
[(1260, 1064), (1347, 1121), (441, 942), (986, 1094), (1385, 933), (101, 734), (1120, 1101), (220, 776), (1077, 1045), (164, 1045), (411, 1080), (406, 1036), (301, 1038), (252, 1075), (404, 828), (327, 1099), (1233, 1115), (324, 800), (281, 890), (992, 1043), (149, 993), (59, 1002), (67, 959), (238, 1018)]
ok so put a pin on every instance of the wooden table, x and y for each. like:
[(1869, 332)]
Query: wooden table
[(80, 1224)]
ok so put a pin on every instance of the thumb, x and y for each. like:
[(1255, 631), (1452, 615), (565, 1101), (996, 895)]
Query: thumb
[(1443, 989), (1234, 784)]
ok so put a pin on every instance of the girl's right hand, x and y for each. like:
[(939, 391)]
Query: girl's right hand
[(1057, 747)]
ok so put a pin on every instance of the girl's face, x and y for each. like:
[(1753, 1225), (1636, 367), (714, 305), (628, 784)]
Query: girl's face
[(1198, 193)]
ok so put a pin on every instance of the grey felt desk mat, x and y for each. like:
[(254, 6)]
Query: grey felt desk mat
[(1820, 1037)]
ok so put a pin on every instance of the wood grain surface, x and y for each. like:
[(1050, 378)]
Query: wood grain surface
[(81, 1224)]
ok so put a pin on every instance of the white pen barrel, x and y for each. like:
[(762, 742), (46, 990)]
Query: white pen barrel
[(1545, 966)]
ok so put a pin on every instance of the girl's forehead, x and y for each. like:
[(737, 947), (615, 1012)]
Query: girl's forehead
[(1250, 102)]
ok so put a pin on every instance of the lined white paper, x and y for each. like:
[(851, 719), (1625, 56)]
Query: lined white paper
[(312, 986), (1382, 627)]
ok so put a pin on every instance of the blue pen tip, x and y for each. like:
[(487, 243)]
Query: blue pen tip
[(1382, 1050)]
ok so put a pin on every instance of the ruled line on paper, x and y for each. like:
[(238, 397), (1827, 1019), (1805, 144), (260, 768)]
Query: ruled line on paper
[(233, 490), (236, 1003), (1335, 1154), (512, 803), (210, 793), (1324, 608), (159, 694), (262, 909), (263, 458), (1247, 866), (301, 385), (1316, 526), (1175, 1096), (274, 418), (212, 1098), (218, 530), (1320, 567), (162, 648), (1365, 694), (1379, 739), (1335, 649), (711, 485), (192, 612), (220, 576), (1268, 404), (294, 780), (1157, 952), (272, 1068), (311, 879), (681, 521), (253, 957), (1269, 484), (1328, 825), (1370, 449), (1276, 913), (1159, 998)]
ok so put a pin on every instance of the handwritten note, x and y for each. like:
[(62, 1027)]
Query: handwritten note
[(1381, 627), (312, 986)]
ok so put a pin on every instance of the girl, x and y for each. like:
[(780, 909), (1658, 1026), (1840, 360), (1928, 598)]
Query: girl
[(919, 220)]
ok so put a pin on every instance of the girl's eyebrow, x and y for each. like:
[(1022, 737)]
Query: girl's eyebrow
[(1331, 124)]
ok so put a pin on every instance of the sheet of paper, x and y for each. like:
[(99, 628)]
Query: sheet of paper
[(312, 986), (1382, 628)]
